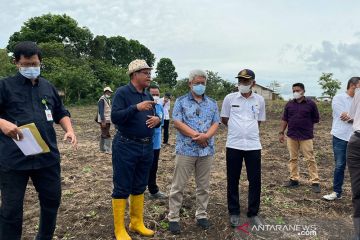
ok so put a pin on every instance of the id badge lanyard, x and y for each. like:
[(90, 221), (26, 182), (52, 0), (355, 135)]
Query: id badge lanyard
[(48, 113)]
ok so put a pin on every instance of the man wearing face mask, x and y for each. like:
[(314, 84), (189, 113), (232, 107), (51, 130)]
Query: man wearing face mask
[(29, 98), (104, 111), (196, 119), (300, 115), (153, 188), (242, 112)]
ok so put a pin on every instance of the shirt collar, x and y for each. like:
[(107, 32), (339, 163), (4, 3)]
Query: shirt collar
[(191, 97), (133, 89), (241, 96), (25, 80), (305, 100)]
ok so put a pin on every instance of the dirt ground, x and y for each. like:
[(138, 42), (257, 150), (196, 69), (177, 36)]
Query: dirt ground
[(86, 214)]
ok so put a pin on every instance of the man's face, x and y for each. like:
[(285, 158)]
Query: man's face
[(246, 82), (32, 61), (108, 93), (198, 80), (154, 92), (298, 89), (143, 77)]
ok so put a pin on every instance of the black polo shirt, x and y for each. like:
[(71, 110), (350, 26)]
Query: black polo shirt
[(21, 103), (124, 114)]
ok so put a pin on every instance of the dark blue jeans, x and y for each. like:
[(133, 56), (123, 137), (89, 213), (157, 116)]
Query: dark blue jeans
[(339, 148), (131, 162), (47, 183)]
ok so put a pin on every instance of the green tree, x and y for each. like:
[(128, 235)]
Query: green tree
[(329, 85), (165, 72), (7, 68), (54, 28)]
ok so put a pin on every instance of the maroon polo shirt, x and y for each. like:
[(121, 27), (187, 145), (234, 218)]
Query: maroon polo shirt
[(301, 118)]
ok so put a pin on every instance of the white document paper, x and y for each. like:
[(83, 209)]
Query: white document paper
[(28, 145)]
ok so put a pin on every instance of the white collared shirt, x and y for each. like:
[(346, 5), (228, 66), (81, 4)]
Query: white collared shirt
[(355, 111), (166, 108), (340, 129), (244, 114)]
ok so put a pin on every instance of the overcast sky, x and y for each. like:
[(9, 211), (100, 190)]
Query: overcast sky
[(284, 40)]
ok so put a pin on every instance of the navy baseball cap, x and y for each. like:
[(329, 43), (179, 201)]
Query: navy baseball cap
[(246, 74)]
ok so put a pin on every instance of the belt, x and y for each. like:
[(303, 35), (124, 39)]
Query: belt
[(146, 140), (357, 133)]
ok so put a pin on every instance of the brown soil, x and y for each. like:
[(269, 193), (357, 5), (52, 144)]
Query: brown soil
[(86, 211)]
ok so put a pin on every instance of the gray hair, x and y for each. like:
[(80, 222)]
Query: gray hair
[(197, 73)]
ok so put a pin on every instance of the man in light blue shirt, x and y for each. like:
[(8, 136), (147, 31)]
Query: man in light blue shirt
[(341, 131), (196, 117), (153, 188)]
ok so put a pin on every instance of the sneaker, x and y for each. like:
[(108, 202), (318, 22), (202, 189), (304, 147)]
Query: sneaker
[(234, 220), (255, 221), (174, 228), (332, 196), (315, 188), (291, 184), (158, 195), (203, 223)]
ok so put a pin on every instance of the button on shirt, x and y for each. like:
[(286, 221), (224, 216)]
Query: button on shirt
[(21, 103), (355, 111), (125, 115), (157, 132), (301, 118), (244, 114), (340, 129), (199, 116), (166, 107)]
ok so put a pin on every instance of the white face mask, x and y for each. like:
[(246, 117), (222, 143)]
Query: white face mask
[(156, 98), (297, 95), (357, 89), (244, 88)]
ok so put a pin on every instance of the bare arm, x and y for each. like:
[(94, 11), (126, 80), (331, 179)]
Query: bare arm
[(66, 125), (225, 120)]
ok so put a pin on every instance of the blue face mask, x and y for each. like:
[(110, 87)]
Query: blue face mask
[(30, 72), (199, 89)]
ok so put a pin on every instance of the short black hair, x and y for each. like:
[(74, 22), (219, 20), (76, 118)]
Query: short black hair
[(300, 85), (27, 49), (168, 95), (353, 80)]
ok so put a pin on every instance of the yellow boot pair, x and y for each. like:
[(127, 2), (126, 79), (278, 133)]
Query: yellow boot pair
[(136, 217)]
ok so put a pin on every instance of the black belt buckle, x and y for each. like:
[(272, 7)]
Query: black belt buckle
[(146, 140)]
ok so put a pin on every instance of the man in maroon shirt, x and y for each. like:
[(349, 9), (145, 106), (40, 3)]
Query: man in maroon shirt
[(300, 115)]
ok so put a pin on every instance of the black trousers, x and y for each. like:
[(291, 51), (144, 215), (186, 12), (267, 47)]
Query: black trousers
[(153, 188), (353, 162), (234, 159), (166, 131), (47, 183)]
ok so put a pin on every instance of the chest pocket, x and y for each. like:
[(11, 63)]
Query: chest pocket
[(17, 101)]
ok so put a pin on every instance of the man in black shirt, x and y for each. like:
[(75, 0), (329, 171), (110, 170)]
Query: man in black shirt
[(134, 115), (28, 98)]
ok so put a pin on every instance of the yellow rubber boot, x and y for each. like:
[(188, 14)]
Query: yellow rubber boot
[(119, 206), (136, 216)]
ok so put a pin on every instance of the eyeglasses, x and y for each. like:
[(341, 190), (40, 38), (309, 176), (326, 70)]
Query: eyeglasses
[(146, 73), (30, 64), (197, 112)]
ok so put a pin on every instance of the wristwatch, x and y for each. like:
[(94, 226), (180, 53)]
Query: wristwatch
[(281, 133)]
